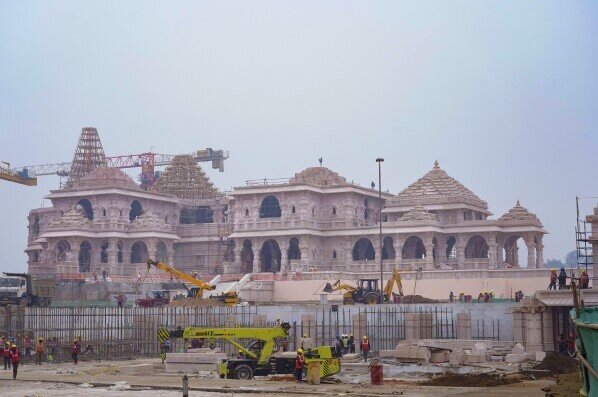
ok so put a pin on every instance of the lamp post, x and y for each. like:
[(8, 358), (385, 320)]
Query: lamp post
[(379, 160)]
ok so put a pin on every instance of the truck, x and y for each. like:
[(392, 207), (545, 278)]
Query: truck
[(22, 290), (256, 350)]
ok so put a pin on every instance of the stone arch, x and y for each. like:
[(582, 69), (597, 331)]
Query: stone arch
[(334, 256), (270, 207), (84, 256), (270, 256), (139, 253), (451, 247), (476, 247), (63, 251), (388, 249), (104, 245), (136, 210), (414, 248), (294, 252), (161, 251), (247, 257), (511, 249), (333, 210), (85, 206), (363, 250)]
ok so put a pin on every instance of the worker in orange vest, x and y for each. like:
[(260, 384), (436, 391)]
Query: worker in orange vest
[(299, 363), (365, 348), (40, 350), (15, 358), (6, 355)]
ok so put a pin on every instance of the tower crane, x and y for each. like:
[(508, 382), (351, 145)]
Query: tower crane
[(22, 176)]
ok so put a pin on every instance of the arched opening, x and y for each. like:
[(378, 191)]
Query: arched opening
[(63, 251), (84, 256), (414, 248), (139, 252), (204, 214), (363, 250), (451, 248), (294, 251), (270, 208), (103, 211), (85, 206), (246, 212), (293, 210), (476, 248), (136, 210), (334, 254), (161, 252), (35, 256), (104, 252), (247, 257), (119, 253), (388, 249), (333, 210), (270, 256), (513, 248), (35, 225), (313, 210)]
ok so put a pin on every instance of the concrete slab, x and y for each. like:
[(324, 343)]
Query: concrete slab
[(137, 369), (515, 358)]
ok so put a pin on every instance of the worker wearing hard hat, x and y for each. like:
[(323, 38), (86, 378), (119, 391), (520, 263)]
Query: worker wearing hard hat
[(365, 347), (15, 359), (299, 364), (553, 278), (6, 354)]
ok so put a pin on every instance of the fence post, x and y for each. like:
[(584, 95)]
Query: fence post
[(185, 386)]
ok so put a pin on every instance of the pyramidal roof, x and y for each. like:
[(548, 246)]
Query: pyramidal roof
[(437, 186), (89, 155), (418, 214), (320, 176), (185, 179), (106, 178), (520, 214)]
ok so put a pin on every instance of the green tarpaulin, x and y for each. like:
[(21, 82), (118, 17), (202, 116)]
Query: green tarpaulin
[(587, 328)]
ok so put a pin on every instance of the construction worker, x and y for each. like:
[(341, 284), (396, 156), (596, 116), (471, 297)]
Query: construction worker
[(451, 297), (164, 348), (27, 345), (75, 351), (584, 280), (120, 299), (40, 350), (562, 278), (6, 355), (553, 278), (15, 359), (351, 343), (345, 340), (365, 348), (299, 364)]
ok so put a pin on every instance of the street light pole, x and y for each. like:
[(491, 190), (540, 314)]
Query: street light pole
[(379, 160)]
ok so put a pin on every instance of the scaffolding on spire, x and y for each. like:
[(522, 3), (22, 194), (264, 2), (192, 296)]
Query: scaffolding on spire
[(89, 155)]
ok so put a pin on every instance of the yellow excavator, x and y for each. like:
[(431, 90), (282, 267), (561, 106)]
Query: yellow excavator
[(367, 290), (229, 298)]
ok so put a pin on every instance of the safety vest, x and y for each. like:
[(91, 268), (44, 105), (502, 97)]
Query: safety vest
[(299, 361)]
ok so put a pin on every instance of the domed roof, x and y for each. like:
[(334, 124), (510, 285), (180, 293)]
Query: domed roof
[(320, 176), (106, 178), (437, 185), (417, 214), (185, 179), (520, 214)]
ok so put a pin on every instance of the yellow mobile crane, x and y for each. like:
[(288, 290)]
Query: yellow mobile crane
[(367, 290), (256, 355), (229, 298)]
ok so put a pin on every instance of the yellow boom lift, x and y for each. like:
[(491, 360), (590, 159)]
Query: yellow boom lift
[(229, 298), (256, 350), (367, 290)]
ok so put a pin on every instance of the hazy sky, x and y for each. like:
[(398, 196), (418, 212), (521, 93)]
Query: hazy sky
[(504, 94)]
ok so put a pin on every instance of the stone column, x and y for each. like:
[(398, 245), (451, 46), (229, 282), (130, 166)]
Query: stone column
[(460, 247), (533, 332), (540, 254), (428, 243), (441, 249), (531, 256), (284, 256), (464, 326), (257, 265), (492, 252), (398, 246), (112, 256)]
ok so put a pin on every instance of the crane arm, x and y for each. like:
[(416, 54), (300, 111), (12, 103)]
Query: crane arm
[(202, 285), (338, 286)]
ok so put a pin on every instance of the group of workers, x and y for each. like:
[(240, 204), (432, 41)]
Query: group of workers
[(583, 282)]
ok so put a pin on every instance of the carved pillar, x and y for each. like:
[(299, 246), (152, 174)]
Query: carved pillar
[(429, 244), (284, 255), (398, 246), (531, 256), (515, 253), (540, 253), (460, 250), (441, 249), (112, 256), (257, 263), (492, 252)]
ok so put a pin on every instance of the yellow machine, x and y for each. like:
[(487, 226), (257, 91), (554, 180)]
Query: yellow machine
[(23, 177), (229, 298), (256, 350), (367, 290)]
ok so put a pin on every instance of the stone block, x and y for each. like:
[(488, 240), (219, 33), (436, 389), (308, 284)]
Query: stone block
[(518, 349), (457, 357), (137, 369), (195, 358), (497, 358), (515, 358), (540, 356), (190, 368), (438, 357), (387, 353)]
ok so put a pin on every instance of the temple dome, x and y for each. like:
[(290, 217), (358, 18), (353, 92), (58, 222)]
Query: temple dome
[(520, 214), (320, 176), (106, 178), (417, 214), (185, 179), (437, 186)]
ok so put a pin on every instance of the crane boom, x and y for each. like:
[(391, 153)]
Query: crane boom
[(23, 177), (202, 285)]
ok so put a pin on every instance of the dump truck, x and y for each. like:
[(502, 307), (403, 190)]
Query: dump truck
[(256, 350), (26, 291)]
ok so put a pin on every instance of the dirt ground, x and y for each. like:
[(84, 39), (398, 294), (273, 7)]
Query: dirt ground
[(91, 379)]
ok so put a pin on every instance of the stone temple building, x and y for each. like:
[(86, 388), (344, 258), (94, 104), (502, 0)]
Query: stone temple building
[(102, 220)]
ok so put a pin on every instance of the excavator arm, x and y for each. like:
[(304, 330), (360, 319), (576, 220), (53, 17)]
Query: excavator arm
[(395, 278), (338, 286), (202, 285)]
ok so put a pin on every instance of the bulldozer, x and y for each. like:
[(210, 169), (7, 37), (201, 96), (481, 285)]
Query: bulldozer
[(367, 290)]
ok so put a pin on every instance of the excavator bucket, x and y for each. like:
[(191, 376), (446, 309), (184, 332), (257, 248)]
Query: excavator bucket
[(328, 288)]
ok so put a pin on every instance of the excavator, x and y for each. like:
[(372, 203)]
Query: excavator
[(256, 350), (229, 298), (367, 290)]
